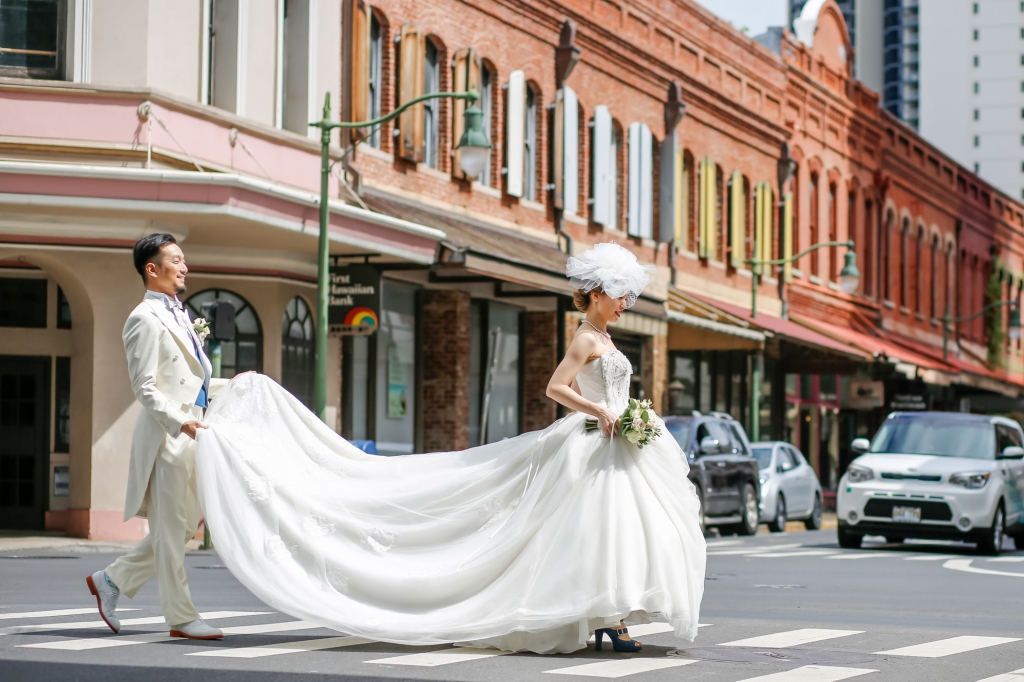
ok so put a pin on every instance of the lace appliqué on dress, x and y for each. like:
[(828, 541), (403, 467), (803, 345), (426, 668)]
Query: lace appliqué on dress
[(380, 540), (616, 371), (316, 526), (260, 488), (277, 550)]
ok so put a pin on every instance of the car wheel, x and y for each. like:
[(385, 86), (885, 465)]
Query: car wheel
[(779, 524), (751, 514), (848, 540), (701, 518), (991, 540), (813, 522)]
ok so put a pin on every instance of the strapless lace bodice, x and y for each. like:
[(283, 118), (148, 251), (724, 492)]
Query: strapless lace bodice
[(606, 380)]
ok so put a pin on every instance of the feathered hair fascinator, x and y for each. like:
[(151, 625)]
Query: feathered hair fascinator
[(611, 267)]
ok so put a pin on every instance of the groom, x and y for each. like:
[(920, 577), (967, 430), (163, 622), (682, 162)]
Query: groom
[(171, 377)]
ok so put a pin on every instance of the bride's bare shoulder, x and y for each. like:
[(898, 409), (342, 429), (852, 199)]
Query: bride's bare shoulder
[(586, 345)]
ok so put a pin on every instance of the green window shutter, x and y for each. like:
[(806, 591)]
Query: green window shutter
[(711, 219), (787, 236), (702, 209), (737, 253), (680, 198)]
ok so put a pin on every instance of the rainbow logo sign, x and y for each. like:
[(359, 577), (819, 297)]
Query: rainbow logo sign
[(361, 317)]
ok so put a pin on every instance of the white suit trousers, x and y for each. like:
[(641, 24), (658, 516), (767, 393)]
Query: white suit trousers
[(172, 505)]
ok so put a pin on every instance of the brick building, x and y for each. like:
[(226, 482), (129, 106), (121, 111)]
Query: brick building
[(657, 126)]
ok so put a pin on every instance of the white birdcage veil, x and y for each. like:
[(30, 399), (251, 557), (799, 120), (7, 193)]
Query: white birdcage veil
[(611, 267)]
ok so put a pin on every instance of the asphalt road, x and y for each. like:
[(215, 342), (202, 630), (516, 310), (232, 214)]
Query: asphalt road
[(781, 608)]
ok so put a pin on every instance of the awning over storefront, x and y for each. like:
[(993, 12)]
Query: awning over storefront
[(771, 326), (924, 361)]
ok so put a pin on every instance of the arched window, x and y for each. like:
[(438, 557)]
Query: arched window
[(919, 271), (748, 217), (245, 352), (950, 299), (721, 216), (530, 165), (904, 264), (933, 269), (488, 80), (431, 108), (815, 217), (690, 201), (375, 93), (884, 259), (297, 350), (868, 248), (833, 232)]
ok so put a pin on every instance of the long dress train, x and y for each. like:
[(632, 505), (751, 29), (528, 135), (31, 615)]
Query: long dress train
[(526, 544)]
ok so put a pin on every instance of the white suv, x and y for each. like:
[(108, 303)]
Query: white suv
[(938, 475)]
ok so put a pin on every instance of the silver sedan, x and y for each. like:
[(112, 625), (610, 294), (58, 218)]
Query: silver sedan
[(789, 487)]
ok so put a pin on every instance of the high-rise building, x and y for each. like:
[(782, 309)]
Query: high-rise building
[(864, 21)]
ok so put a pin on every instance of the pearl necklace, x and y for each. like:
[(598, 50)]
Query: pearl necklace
[(605, 334)]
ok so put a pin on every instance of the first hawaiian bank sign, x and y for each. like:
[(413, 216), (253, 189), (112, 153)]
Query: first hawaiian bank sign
[(353, 298)]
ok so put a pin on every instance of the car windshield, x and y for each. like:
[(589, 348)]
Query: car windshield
[(944, 437), (763, 455), (680, 430)]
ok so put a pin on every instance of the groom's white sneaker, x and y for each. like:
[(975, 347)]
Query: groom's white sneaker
[(197, 629), (106, 598)]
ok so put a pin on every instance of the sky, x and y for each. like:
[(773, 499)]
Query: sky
[(755, 15)]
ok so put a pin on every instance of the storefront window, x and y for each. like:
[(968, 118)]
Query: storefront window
[(297, 350), (682, 385), (357, 389), (245, 352), (494, 372), (396, 353)]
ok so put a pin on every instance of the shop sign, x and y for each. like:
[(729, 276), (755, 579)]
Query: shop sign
[(865, 394), (908, 401), (353, 298)]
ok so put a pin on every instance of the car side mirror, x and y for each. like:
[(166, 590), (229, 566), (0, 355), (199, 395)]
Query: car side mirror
[(709, 446), (1012, 452), (860, 445)]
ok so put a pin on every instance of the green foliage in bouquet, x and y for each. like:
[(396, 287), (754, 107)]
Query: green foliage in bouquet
[(638, 423)]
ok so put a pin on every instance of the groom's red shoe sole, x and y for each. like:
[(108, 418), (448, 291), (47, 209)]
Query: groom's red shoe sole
[(179, 633), (99, 605)]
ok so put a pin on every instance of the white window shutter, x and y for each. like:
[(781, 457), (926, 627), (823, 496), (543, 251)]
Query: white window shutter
[(603, 180), (515, 137), (635, 179), (571, 151), (646, 183)]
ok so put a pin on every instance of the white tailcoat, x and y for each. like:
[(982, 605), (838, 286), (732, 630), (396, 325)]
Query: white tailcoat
[(166, 378)]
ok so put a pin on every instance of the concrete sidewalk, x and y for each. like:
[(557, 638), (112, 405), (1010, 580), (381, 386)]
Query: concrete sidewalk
[(34, 541)]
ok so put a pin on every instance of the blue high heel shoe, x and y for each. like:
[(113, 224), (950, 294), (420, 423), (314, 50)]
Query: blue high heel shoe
[(618, 644)]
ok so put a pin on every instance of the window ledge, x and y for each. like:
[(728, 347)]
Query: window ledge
[(904, 310), (716, 264), (574, 219), (919, 317), (486, 189), (375, 153), (797, 272), (433, 172), (834, 287), (889, 304), (532, 205), (765, 279), (814, 279), (690, 255), (742, 272), (936, 322)]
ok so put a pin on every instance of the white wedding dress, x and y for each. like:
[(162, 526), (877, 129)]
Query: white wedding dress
[(527, 544)]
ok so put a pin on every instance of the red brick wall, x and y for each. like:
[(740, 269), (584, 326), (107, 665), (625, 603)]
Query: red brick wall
[(445, 377), (540, 357)]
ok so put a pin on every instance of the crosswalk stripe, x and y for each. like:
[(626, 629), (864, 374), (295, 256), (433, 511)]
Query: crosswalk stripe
[(948, 647), (806, 552), (150, 620), (781, 640), (872, 555), (430, 659), (930, 557), (621, 668), (262, 628), (751, 550), (1005, 677), (142, 638), (1008, 559), (284, 647), (965, 566), (812, 673), (51, 614)]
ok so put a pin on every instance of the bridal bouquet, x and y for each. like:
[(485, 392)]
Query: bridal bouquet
[(638, 424)]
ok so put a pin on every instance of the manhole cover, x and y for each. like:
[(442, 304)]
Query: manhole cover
[(750, 655), (36, 556)]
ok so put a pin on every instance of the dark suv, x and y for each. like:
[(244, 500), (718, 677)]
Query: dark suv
[(722, 468)]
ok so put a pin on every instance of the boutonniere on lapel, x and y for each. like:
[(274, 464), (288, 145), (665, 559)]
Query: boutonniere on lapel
[(202, 328)]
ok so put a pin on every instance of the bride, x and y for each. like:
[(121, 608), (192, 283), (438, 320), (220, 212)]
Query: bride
[(527, 544)]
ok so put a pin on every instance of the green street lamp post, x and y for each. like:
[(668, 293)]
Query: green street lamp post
[(849, 278), (1014, 326), (474, 152)]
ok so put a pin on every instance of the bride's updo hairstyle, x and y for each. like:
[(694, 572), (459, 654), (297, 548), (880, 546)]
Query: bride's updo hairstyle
[(607, 268), (582, 300)]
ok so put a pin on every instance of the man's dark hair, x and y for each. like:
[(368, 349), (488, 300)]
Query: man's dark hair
[(147, 248)]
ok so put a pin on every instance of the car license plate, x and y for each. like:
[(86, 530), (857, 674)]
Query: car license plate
[(906, 514)]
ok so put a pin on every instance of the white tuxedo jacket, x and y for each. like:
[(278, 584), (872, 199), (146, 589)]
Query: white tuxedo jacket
[(166, 378)]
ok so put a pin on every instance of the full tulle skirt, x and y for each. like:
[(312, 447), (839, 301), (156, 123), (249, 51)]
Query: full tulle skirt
[(529, 543)]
